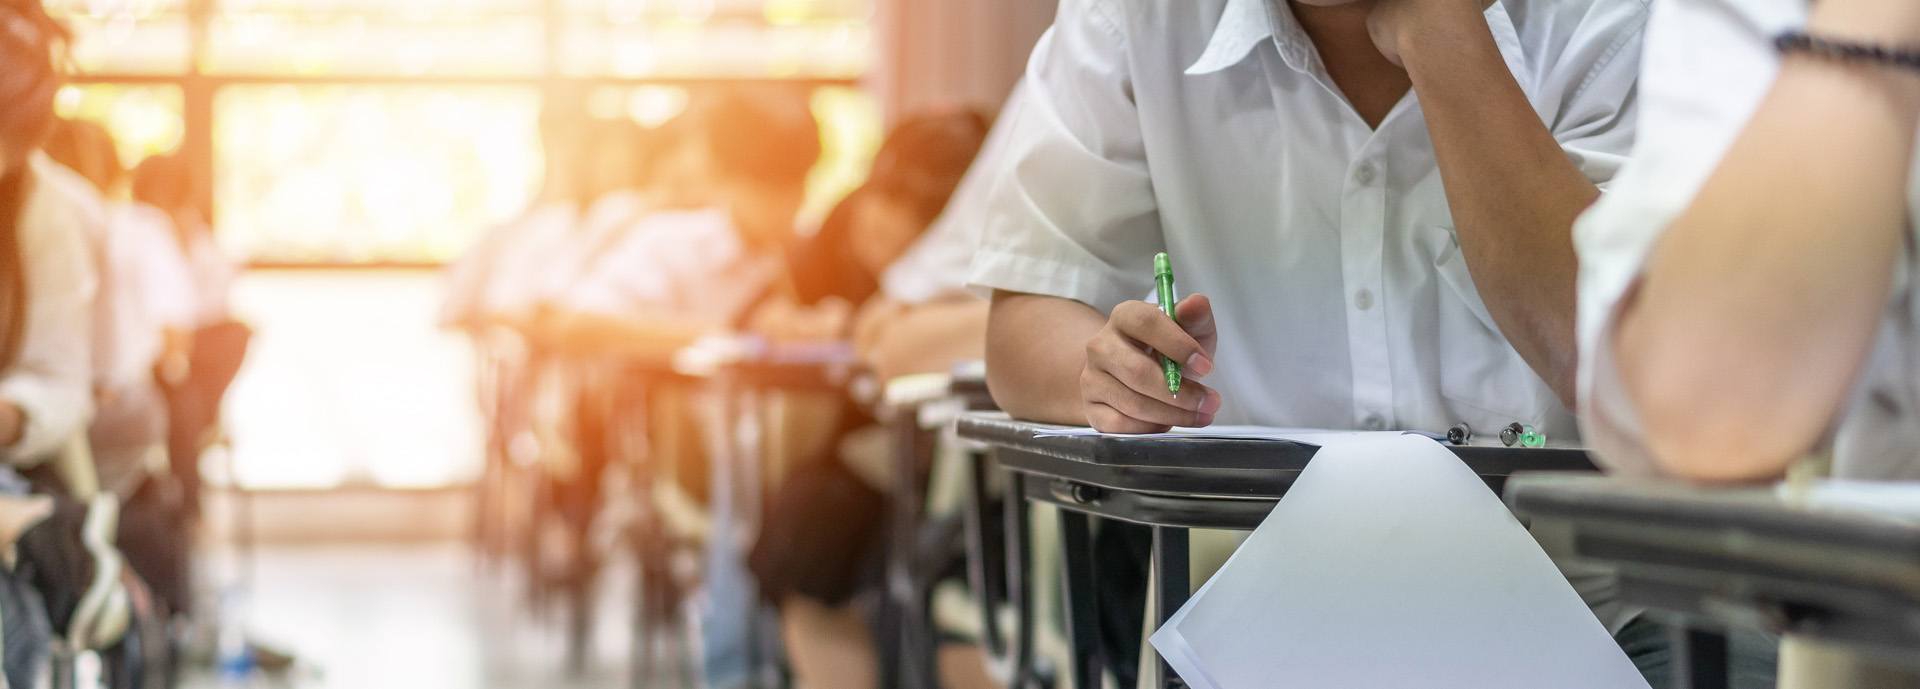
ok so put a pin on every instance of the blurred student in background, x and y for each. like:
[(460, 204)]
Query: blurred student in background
[(820, 552), (46, 284), (143, 315), (678, 274), (217, 344)]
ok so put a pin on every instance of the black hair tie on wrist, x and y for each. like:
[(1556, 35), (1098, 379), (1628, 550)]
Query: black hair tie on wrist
[(1849, 51)]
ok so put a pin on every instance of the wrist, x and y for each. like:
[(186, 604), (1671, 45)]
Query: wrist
[(1895, 23), (1449, 32)]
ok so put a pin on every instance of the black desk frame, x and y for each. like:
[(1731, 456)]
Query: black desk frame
[(1170, 486)]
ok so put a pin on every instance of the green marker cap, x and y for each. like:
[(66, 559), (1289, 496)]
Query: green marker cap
[(1162, 266)]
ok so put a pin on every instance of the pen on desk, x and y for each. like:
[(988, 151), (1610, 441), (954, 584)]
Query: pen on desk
[(1163, 280)]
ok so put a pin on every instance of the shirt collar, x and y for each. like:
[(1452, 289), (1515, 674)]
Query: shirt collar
[(1246, 23), (1242, 27)]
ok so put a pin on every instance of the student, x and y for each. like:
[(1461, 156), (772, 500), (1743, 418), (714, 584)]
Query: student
[(1747, 299), (143, 314), (1747, 292), (676, 275), (557, 204), (823, 565), (216, 344), (46, 282), (1368, 201)]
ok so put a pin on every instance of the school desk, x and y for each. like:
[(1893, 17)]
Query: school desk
[(1743, 558), (1170, 485)]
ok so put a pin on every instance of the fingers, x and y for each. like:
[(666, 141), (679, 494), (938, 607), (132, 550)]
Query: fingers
[(1124, 389), (1144, 323), (1196, 317), (1106, 419)]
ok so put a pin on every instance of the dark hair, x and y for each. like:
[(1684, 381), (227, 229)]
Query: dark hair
[(921, 162), (763, 137), (923, 159), (30, 44), (164, 182), (87, 148), (824, 265)]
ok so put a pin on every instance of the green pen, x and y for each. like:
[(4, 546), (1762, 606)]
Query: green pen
[(1163, 279)]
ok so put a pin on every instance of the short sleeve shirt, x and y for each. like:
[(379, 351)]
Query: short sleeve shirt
[(1209, 129), (686, 262), (1708, 65)]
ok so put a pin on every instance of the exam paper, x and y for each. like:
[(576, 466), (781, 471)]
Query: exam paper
[(1304, 435), (1389, 565)]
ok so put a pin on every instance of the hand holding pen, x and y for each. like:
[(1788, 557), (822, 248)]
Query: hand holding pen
[(1125, 388)]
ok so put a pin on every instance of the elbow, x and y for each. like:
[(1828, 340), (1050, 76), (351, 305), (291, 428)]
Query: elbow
[(1703, 432), (1718, 458)]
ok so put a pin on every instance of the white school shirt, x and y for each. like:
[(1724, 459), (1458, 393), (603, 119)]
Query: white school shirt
[(936, 264), (145, 286), (683, 262), (51, 380), (1708, 64), (510, 285), (1209, 129)]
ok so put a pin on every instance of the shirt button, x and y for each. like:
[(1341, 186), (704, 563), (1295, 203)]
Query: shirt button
[(1365, 174), (1374, 422), (1363, 299)]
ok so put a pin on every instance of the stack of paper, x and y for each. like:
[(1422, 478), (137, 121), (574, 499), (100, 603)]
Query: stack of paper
[(1390, 565)]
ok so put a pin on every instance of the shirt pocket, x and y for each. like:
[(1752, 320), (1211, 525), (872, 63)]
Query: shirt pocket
[(1482, 378)]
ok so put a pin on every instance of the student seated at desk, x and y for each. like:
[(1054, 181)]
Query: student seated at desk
[(677, 275), (1749, 298), (1369, 202), (823, 561), (1748, 292)]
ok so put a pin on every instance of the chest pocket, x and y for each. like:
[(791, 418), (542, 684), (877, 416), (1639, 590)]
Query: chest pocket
[(1482, 378)]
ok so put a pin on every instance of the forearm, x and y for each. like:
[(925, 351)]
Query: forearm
[(1513, 192), (1036, 351), (929, 338), (1759, 306), (655, 336)]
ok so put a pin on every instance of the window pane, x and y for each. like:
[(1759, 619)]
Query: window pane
[(145, 119), (108, 8), (363, 174), (129, 43), (695, 11), (419, 9), (849, 137), (827, 49), (266, 43)]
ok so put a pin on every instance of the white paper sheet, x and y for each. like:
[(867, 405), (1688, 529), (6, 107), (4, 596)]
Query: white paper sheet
[(1389, 565), (1304, 435)]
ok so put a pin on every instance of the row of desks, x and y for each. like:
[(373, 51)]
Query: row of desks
[(1739, 558)]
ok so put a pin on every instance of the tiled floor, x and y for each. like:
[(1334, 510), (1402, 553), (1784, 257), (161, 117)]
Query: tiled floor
[(418, 617)]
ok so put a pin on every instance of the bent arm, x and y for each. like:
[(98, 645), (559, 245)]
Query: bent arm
[(1513, 191), (655, 336), (1758, 307), (1036, 350)]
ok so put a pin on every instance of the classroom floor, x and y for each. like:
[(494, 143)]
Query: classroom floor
[(416, 616)]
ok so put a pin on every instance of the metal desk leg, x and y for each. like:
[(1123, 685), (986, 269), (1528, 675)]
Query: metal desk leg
[(1020, 582), (1171, 589), (1699, 658), (1083, 610), (914, 645), (980, 563)]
